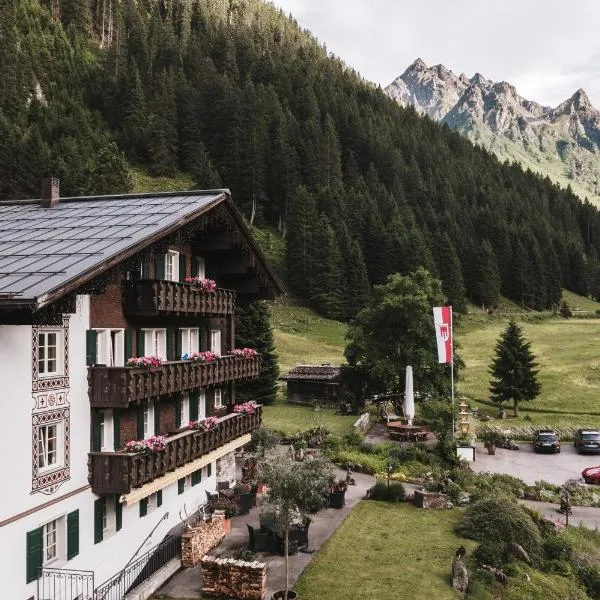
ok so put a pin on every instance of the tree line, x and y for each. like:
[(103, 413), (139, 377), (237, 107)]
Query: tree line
[(237, 94)]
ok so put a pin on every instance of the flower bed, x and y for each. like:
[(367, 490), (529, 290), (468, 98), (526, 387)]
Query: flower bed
[(206, 285), (155, 443), (245, 352), (204, 424), (246, 408), (150, 363)]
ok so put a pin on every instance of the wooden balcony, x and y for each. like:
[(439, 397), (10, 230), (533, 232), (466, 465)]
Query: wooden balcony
[(117, 387), (120, 472), (154, 298)]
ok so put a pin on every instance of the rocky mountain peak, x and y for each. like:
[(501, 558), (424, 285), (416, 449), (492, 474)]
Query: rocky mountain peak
[(578, 102), (417, 65)]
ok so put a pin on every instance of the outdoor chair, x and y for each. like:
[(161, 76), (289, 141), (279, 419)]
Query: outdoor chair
[(257, 539), (210, 497)]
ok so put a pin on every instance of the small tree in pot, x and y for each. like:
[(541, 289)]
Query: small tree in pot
[(292, 487)]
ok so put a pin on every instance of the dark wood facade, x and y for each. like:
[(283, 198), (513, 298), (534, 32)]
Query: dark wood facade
[(307, 384), (120, 472)]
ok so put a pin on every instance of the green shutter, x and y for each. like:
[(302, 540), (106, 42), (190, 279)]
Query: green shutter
[(209, 470), (194, 405), (90, 347), (178, 400), (197, 477), (128, 345), (140, 422), (156, 418), (178, 344), (118, 514), (159, 498), (171, 333), (182, 267), (34, 553), (98, 512), (96, 441), (159, 266), (117, 428), (181, 485), (72, 534), (141, 339), (143, 507)]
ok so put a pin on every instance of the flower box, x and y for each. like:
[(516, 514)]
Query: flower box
[(206, 285)]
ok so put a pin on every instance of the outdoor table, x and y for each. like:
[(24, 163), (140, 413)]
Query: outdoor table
[(403, 431)]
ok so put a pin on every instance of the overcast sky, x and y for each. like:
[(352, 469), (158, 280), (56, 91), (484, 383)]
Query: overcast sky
[(546, 48)]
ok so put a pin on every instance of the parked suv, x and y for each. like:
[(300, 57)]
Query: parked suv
[(546, 440), (587, 440)]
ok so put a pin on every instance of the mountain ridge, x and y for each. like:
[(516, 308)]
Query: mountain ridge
[(562, 142)]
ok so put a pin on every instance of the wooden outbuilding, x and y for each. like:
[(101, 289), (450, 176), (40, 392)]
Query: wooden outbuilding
[(307, 384)]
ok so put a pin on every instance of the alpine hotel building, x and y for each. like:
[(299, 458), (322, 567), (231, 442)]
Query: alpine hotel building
[(86, 284)]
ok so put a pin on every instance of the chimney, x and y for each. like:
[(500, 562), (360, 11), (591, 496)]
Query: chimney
[(50, 192)]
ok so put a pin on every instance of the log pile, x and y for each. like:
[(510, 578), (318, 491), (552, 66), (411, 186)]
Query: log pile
[(202, 538), (231, 578)]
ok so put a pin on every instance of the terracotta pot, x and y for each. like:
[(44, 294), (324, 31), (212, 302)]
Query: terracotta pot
[(491, 449), (227, 525), (280, 595), (262, 488)]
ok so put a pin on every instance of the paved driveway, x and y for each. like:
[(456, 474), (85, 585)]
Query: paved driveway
[(531, 466)]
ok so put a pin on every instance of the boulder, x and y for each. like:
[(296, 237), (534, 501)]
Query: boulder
[(460, 576)]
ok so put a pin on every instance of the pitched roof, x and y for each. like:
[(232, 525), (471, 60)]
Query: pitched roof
[(313, 373), (44, 250)]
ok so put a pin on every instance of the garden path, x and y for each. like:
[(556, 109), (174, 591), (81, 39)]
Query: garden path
[(187, 583), (587, 516)]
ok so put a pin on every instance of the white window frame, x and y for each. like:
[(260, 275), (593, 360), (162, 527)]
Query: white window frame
[(155, 342), (215, 341), (201, 404), (190, 340), (50, 540), (148, 420), (42, 358), (107, 433), (218, 398), (172, 265), (201, 274), (185, 410), (110, 347), (45, 466)]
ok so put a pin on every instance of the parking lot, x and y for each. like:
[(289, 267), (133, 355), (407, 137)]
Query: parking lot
[(531, 466)]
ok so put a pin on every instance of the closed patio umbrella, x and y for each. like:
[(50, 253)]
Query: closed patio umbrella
[(409, 397)]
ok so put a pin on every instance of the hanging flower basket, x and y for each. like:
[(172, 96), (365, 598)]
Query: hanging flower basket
[(244, 352), (204, 424), (148, 363), (246, 408), (205, 285)]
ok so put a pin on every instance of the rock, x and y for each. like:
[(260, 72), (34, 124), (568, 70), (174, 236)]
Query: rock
[(464, 499), (460, 576), (519, 552)]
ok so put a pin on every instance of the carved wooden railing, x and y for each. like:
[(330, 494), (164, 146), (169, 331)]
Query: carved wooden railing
[(120, 472), (117, 387), (150, 297)]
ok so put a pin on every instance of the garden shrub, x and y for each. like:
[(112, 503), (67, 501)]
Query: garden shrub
[(389, 493), (489, 553), (560, 567), (556, 547), (501, 521), (589, 576)]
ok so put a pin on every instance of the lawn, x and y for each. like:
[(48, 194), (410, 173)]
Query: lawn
[(384, 551), (569, 366)]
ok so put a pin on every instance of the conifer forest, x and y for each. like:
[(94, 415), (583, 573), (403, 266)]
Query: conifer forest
[(234, 93)]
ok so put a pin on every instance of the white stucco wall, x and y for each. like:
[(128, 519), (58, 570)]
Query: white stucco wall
[(107, 557)]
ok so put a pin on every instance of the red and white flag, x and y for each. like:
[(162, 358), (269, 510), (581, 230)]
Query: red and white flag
[(442, 319)]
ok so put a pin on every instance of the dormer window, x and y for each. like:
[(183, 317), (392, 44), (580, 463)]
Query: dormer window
[(172, 266)]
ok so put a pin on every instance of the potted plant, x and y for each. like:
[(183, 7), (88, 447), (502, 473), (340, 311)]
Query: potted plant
[(337, 495), (490, 440), (292, 485), (228, 506)]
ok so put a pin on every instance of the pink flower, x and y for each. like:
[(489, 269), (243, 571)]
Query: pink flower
[(245, 352), (149, 363), (155, 443), (206, 285), (204, 424), (206, 356), (246, 408)]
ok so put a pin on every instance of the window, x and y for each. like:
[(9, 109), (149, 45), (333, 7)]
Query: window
[(49, 352), (172, 266), (148, 418), (104, 517), (109, 347), (215, 340), (190, 341), (184, 410), (105, 421), (49, 446), (201, 404), (155, 342), (101, 426), (201, 273), (218, 398), (50, 541)]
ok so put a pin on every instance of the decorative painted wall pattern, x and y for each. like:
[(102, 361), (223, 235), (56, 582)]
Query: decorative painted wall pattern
[(51, 405)]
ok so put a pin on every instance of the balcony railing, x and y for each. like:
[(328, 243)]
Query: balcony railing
[(153, 298), (117, 387), (120, 472)]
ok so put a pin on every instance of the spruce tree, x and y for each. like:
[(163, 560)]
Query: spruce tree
[(253, 330), (486, 284), (451, 275), (513, 370)]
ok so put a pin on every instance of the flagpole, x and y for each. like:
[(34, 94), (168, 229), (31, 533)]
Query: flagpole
[(452, 372)]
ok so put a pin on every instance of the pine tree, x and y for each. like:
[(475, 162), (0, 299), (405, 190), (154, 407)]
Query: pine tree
[(513, 370), (451, 275), (486, 284), (253, 329)]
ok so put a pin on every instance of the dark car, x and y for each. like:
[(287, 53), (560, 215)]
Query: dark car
[(546, 440), (587, 441)]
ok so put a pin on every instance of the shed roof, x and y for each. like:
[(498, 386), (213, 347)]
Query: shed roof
[(313, 373), (45, 252)]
